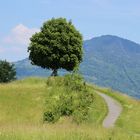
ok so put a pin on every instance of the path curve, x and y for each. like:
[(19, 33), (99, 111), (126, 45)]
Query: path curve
[(114, 111)]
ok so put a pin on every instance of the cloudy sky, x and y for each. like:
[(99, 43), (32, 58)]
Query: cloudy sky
[(22, 18)]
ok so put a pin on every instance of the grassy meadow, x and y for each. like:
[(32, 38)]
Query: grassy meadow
[(129, 118), (23, 102)]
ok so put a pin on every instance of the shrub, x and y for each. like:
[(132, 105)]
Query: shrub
[(52, 111), (75, 82), (68, 97)]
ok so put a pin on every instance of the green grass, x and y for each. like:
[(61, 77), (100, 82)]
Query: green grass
[(21, 115), (129, 119), (21, 102), (22, 105), (66, 131)]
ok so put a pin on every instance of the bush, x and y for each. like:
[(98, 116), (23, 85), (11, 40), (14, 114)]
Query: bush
[(68, 97), (52, 112), (82, 106), (66, 105), (55, 108), (74, 82)]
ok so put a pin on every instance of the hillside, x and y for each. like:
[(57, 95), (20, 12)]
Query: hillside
[(113, 62), (22, 105), (109, 61), (23, 102)]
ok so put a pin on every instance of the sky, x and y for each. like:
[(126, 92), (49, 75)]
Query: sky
[(20, 19)]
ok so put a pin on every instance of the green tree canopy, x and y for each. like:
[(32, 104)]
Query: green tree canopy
[(7, 72), (58, 45)]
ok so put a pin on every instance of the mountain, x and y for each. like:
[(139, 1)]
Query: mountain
[(109, 61)]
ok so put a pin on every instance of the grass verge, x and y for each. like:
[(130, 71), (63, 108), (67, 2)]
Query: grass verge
[(129, 118)]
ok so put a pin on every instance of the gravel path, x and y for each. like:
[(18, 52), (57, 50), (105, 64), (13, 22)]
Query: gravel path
[(114, 110)]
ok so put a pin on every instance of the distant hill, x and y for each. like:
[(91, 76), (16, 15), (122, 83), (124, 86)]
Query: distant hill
[(109, 61)]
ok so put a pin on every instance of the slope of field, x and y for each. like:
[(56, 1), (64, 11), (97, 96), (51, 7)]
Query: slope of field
[(21, 116), (22, 105)]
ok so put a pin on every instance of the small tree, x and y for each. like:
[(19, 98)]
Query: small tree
[(7, 72), (58, 45)]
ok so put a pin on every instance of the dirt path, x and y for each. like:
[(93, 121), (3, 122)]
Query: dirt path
[(114, 110)]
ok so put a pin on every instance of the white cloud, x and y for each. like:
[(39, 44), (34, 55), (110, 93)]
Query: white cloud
[(14, 46), (20, 35)]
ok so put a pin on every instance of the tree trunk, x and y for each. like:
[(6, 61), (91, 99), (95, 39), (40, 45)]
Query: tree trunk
[(54, 73)]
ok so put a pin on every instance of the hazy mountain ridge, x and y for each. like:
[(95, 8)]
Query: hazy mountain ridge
[(108, 61)]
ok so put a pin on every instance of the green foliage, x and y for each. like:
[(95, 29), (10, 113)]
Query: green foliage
[(7, 72), (66, 105), (82, 107), (74, 82), (57, 45), (75, 102), (53, 113)]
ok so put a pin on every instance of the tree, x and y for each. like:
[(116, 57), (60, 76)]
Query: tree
[(7, 72), (58, 45)]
